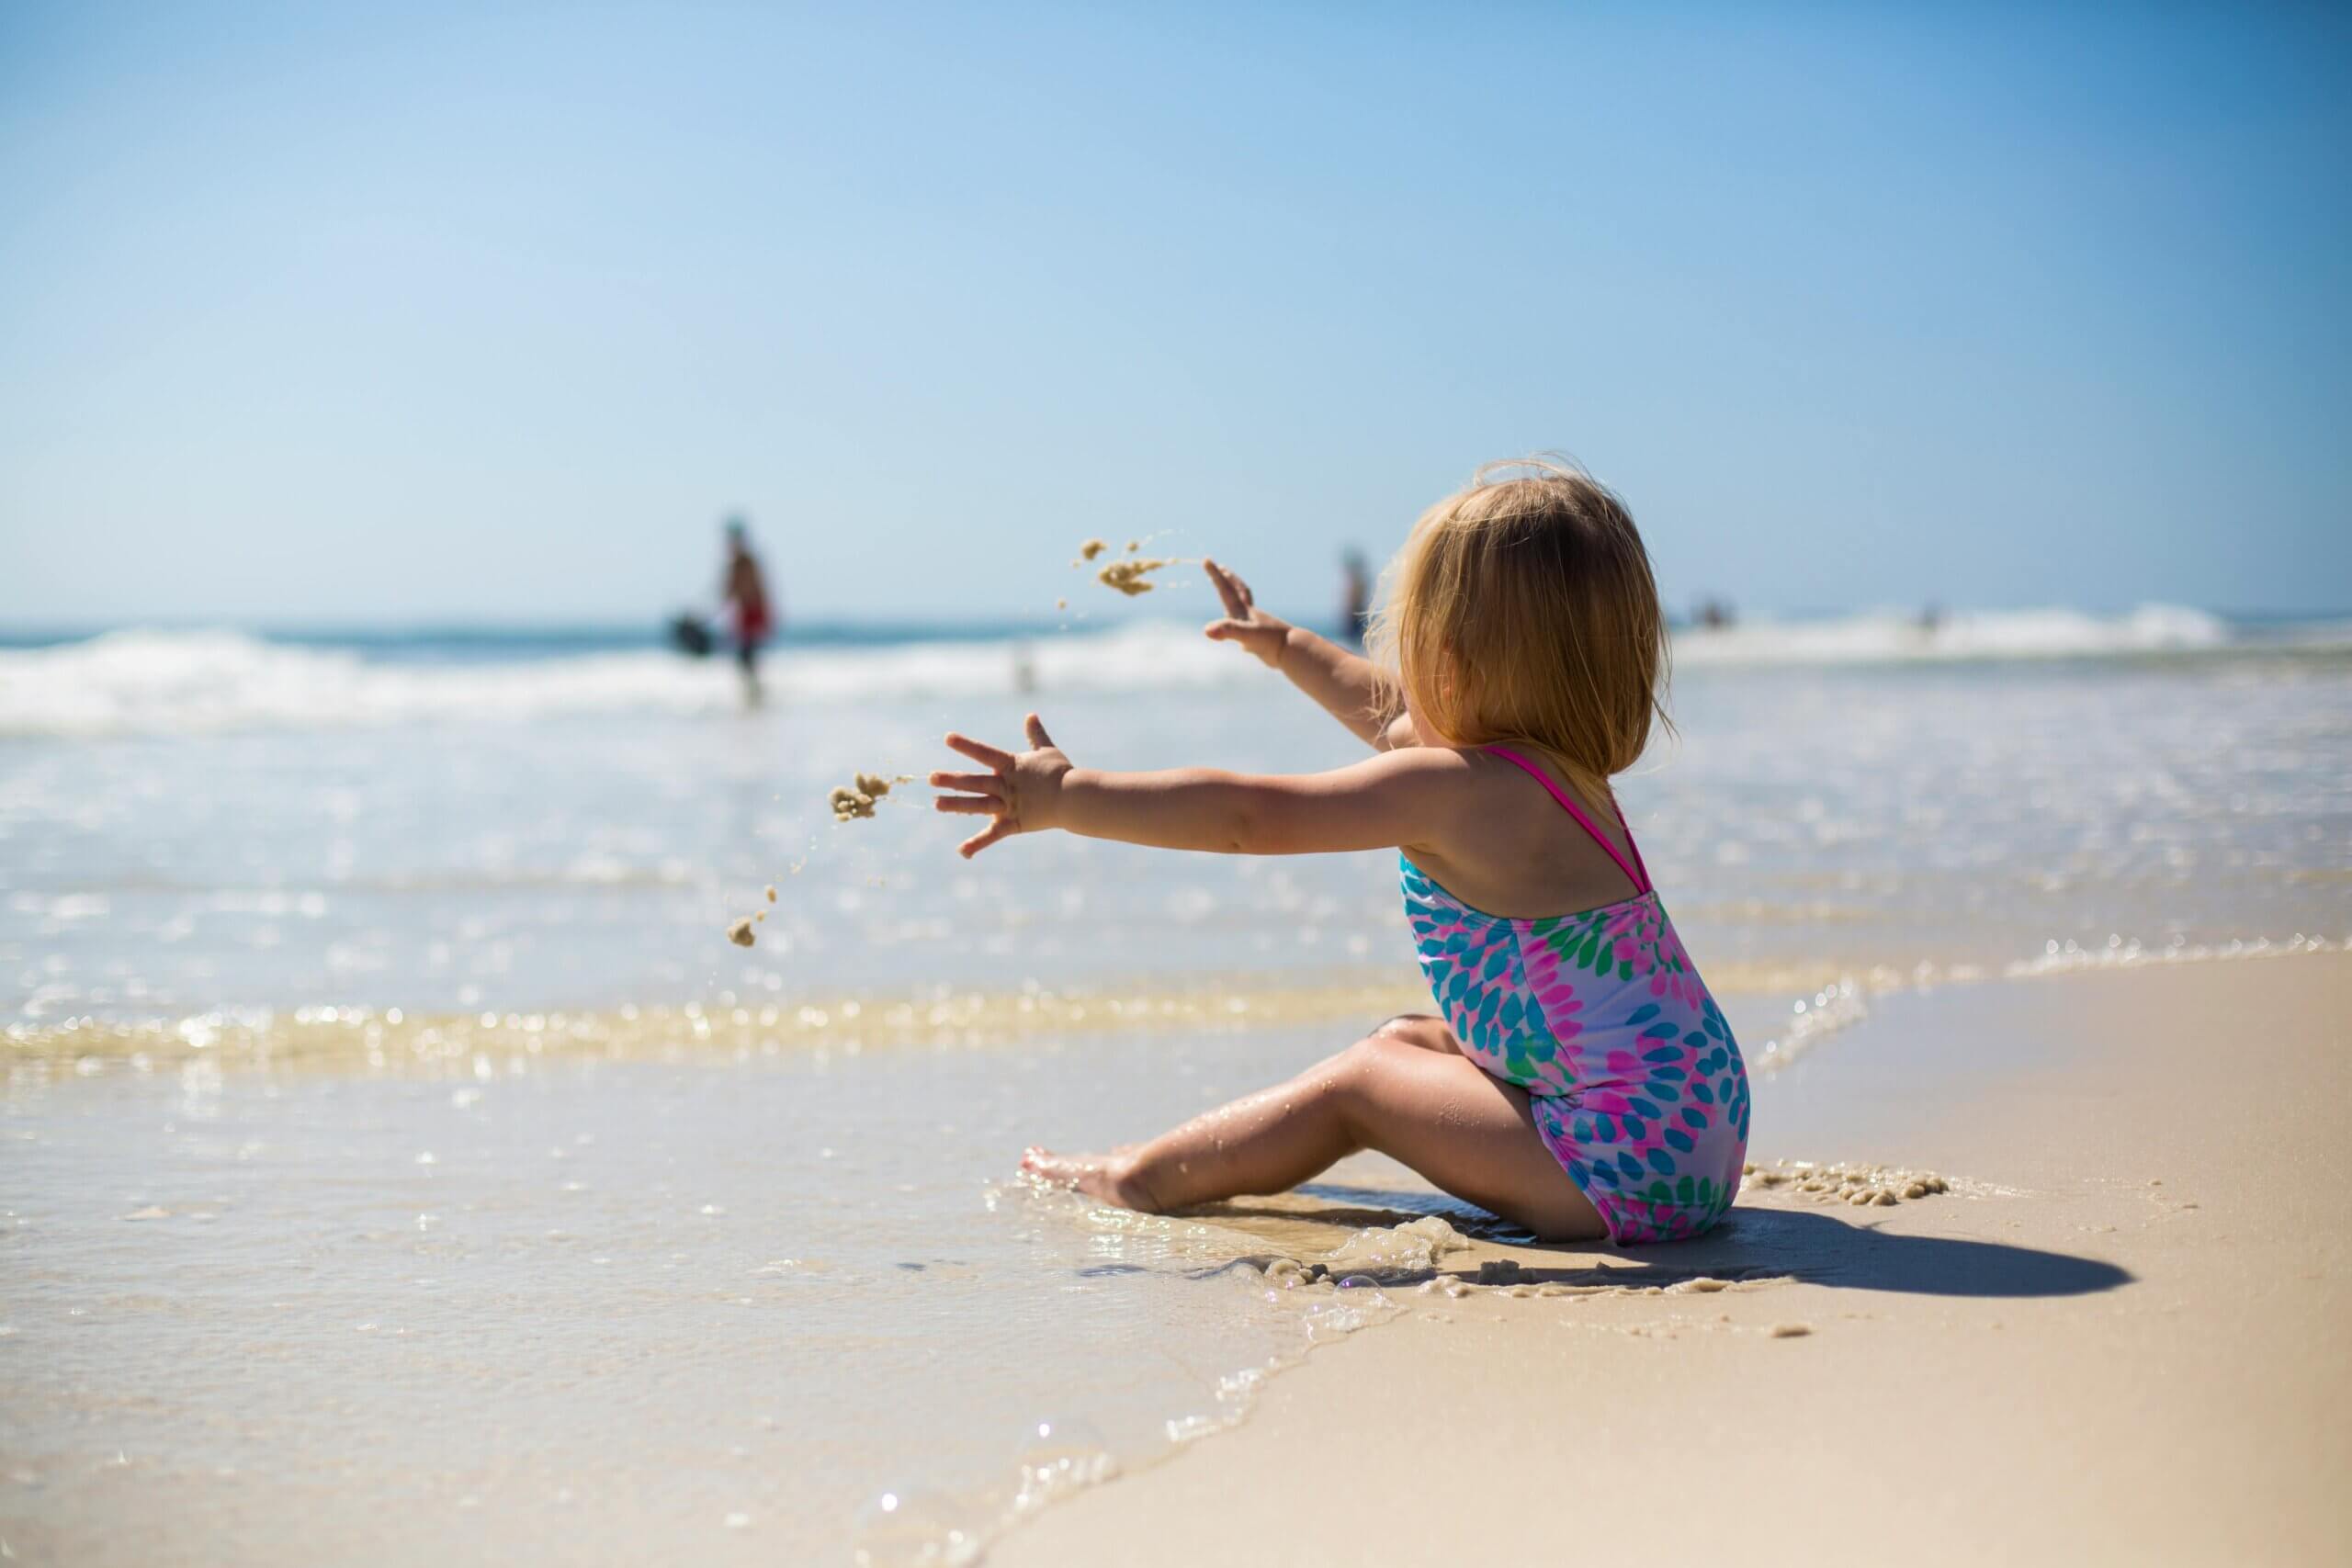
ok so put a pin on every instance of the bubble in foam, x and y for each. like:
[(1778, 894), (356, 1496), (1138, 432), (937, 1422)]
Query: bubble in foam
[(1358, 1306), (1411, 1247), (1060, 1455), (906, 1526), (1191, 1428)]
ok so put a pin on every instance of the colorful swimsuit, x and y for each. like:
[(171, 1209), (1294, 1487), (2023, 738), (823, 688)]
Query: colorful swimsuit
[(1635, 1080)]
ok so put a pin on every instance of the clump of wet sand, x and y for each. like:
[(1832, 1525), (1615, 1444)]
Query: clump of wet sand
[(740, 932), (1879, 1186), (855, 800), (1130, 574)]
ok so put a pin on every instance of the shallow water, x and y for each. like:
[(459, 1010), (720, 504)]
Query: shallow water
[(1810, 823), (601, 1308), (397, 1160)]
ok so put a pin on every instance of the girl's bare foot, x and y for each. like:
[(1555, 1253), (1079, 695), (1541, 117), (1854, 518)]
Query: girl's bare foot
[(1107, 1179)]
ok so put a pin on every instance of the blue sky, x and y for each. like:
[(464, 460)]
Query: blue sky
[(477, 312)]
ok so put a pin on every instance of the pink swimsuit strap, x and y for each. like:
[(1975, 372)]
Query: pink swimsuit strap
[(1637, 874)]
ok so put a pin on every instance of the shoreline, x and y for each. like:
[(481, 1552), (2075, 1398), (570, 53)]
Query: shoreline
[(1830, 1000), (2124, 1336)]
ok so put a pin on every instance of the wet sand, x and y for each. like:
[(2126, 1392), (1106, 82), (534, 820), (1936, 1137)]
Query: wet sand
[(2122, 1336)]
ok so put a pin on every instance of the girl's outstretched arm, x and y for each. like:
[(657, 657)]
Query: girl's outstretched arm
[(1399, 800), (1342, 683)]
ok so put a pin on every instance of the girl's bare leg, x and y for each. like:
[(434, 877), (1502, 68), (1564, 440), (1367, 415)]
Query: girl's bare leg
[(1405, 1089)]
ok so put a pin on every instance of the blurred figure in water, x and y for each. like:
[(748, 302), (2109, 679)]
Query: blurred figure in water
[(745, 594), (1356, 607)]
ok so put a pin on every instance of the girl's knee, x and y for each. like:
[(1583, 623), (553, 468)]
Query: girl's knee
[(1339, 1075), (1360, 1080), (1423, 1032)]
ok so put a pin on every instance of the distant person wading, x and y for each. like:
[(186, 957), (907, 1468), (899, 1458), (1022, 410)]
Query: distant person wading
[(745, 594)]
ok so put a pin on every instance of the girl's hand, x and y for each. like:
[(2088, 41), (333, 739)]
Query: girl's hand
[(1019, 791), (1263, 634)]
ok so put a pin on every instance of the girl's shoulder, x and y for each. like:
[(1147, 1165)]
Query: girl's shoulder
[(1424, 765), (1482, 767), (1449, 790), (1476, 772)]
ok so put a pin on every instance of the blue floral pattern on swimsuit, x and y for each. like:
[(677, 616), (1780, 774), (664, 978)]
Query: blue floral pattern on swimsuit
[(1635, 1080)]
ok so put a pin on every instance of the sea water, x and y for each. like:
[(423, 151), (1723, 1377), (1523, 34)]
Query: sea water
[(396, 1158)]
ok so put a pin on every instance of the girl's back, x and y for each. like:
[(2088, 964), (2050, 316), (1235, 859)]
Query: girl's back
[(1516, 853), (1633, 1079)]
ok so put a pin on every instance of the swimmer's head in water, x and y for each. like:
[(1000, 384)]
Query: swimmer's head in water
[(1521, 612)]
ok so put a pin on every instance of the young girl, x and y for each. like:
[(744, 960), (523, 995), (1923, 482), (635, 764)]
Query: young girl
[(1581, 1082)]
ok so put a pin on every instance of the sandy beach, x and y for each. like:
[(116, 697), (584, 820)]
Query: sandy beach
[(2122, 1336)]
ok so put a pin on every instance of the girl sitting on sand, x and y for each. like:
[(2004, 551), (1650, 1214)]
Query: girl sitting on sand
[(1581, 1081)]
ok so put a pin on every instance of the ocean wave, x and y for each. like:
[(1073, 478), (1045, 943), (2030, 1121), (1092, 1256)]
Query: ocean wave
[(1889, 636), (130, 682), (148, 681)]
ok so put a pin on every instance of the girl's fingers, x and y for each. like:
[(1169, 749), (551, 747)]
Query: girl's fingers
[(1223, 580), (970, 784), (969, 805), (979, 750), (1003, 827), (1038, 739), (1222, 631)]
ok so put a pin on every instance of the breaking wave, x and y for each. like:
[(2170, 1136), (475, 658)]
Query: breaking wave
[(147, 682)]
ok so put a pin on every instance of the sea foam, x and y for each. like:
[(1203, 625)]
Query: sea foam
[(142, 681), (1887, 637), (147, 682)]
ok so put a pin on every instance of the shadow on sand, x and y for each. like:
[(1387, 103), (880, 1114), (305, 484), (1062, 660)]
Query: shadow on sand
[(1754, 1242)]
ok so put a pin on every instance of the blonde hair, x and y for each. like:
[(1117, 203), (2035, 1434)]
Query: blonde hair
[(1521, 612)]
